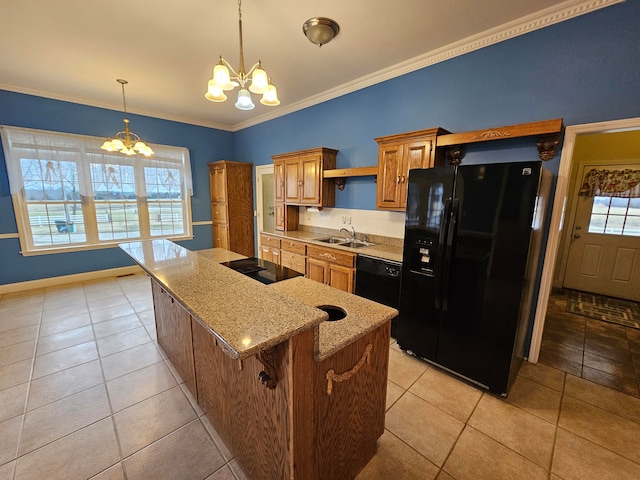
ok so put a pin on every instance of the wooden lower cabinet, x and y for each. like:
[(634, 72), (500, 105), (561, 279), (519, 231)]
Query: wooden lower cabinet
[(315, 424), (231, 187), (270, 254), (331, 267), (294, 261), (173, 328), (293, 255), (255, 422), (349, 420), (270, 248), (221, 235)]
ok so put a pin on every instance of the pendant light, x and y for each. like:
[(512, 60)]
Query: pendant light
[(225, 79), (126, 141)]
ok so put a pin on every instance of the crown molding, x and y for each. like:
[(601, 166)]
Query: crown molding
[(521, 26), (110, 106)]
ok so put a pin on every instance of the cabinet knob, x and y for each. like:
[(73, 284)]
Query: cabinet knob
[(403, 179), (398, 180)]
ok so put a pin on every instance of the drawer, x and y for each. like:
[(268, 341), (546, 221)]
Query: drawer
[(219, 212), (332, 255), (220, 236), (270, 241), (293, 261), (294, 246)]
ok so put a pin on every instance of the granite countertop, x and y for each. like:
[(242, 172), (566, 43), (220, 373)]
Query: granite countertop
[(378, 250), (247, 316), (362, 315), (244, 315)]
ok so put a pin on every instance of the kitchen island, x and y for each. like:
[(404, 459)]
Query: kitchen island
[(293, 393)]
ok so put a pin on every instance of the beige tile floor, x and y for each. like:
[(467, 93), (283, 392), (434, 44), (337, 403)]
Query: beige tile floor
[(86, 393)]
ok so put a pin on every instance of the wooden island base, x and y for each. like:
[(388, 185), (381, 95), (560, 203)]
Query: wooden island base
[(320, 421), (297, 429)]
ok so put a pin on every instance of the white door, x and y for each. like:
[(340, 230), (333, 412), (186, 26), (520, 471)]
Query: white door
[(604, 253)]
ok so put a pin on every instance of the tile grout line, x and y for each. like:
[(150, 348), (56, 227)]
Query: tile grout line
[(111, 416), (557, 426), (26, 400), (466, 425)]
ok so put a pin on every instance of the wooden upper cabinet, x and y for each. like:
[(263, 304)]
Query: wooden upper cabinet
[(388, 183), (311, 176), (303, 179), (231, 185), (397, 154), (292, 181)]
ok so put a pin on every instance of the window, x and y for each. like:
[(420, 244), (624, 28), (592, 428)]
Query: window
[(615, 216), (616, 200), (68, 194)]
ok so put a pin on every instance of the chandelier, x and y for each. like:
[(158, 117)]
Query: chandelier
[(126, 141), (225, 78)]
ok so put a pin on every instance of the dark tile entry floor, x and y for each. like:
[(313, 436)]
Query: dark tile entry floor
[(595, 350)]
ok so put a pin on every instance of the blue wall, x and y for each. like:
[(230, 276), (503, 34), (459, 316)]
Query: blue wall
[(583, 70), (204, 144)]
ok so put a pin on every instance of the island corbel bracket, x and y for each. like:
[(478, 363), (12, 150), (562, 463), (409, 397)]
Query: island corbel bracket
[(268, 376), (547, 131)]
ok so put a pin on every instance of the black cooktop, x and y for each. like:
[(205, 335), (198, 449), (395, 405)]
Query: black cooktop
[(261, 270)]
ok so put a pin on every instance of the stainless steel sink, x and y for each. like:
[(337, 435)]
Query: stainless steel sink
[(339, 240), (356, 244), (345, 242)]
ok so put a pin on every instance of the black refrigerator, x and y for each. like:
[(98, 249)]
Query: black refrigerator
[(468, 231)]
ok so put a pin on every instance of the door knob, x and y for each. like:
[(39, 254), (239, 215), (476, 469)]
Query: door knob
[(577, 235), (578, 227)]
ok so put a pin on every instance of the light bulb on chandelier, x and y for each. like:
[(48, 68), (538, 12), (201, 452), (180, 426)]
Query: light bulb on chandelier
[(225, 78), (126, 141)]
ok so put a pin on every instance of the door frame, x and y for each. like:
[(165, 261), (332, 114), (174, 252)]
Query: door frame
[(260, 170), (558, 216)]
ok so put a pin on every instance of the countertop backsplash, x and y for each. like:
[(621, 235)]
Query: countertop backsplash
[(379, 225)]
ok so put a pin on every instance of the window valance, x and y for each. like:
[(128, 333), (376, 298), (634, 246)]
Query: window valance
[(611, 183), (76, 161)]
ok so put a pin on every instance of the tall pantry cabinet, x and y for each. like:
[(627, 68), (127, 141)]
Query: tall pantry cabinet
[(231, 185)]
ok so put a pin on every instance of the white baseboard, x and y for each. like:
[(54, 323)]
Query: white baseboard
[(78, 277)]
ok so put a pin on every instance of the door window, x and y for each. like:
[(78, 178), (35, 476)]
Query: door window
[(615, 216)]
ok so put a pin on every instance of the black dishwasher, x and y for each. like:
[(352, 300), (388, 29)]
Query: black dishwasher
[(379, 280)]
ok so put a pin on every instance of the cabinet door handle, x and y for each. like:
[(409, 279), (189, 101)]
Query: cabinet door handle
[(398, 180), (403, 179)]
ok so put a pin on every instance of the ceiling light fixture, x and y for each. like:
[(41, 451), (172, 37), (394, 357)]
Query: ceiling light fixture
[(223, 81), (320, 30), (126, 141)]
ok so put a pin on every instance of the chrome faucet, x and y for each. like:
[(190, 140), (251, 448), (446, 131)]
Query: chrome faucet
[(351, 233)]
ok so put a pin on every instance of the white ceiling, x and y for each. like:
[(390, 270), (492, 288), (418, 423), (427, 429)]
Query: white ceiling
[(75, 49)]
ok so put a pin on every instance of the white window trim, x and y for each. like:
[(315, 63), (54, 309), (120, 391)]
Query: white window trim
[(20, 202)]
